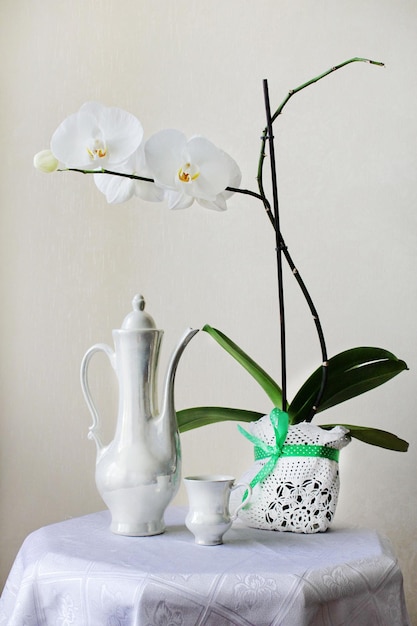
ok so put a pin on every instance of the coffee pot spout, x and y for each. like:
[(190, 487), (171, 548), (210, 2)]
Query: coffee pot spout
[(167, 420)]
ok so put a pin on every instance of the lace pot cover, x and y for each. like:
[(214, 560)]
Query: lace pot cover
[(301, 492)]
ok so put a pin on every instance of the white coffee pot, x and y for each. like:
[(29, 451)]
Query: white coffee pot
[(139, 472)]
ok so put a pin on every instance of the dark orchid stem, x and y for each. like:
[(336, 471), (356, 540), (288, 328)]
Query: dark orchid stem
[(277, 245), (247, 192), (319, 330), (110, 172), (284, 248), (310, 303), (301, 284)]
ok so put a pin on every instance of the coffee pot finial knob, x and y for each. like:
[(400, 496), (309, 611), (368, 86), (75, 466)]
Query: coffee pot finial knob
[(138, 319)]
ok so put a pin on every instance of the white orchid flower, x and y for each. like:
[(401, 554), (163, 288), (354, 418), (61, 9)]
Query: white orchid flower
[(191, 170), (119, 189), (96, 137)]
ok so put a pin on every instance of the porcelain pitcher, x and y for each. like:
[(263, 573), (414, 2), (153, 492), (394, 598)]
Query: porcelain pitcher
[(139, 472)]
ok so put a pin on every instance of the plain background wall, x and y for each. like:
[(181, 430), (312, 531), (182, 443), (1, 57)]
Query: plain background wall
[(70, 263)]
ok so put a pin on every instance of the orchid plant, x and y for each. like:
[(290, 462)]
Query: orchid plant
[(107, 143)]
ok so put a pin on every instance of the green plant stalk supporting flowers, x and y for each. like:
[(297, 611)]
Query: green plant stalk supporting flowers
[(339, 378), (345, 376)]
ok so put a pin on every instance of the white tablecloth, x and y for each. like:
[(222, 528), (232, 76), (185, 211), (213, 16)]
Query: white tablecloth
[(78, 573)]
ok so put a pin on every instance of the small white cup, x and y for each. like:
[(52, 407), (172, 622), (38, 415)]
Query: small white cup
[(209, 517)]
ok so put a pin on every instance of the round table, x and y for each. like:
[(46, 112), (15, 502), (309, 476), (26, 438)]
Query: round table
[(78, 573)]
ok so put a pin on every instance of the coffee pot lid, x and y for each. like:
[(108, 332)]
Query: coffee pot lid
[(138, 319)]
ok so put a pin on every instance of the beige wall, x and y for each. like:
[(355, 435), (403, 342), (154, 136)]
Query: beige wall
[(70, 263)]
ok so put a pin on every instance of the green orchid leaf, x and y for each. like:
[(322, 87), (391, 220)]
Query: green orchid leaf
[(374, 436), (204, 415), (349, 374), (270, 387)]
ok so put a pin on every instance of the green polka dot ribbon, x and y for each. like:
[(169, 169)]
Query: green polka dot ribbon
[(280, 422)]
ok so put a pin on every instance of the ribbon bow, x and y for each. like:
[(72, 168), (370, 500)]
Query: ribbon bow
[(279, 421)]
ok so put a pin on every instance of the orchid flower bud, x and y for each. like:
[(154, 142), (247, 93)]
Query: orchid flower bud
[(45, 161)]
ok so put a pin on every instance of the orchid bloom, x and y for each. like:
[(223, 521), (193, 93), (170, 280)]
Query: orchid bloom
[(191, 170), (121, 188), (96, 137)]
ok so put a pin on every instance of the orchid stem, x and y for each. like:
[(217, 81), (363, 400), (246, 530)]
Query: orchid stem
[(278, 245), (110, 172), (268, 132), (292, 92)]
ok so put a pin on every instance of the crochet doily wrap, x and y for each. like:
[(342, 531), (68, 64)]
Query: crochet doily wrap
[(292, 491)]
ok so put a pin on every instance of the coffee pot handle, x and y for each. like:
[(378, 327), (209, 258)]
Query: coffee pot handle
[(98, 347)]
